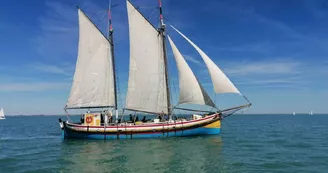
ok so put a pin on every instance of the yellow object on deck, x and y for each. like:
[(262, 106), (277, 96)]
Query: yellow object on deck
[(97, 122), (138, 122)]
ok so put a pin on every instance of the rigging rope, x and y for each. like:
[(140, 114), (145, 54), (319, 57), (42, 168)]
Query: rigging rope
[(149, 16), (67, 115)]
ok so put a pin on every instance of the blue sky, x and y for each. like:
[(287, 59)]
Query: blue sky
[(275, 51)]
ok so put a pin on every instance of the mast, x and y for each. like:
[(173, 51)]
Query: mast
[(162, 32), (113, 59)]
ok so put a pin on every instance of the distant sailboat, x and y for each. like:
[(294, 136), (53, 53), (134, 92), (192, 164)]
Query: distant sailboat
[(2, 114), (94, 85), (294, 113), (311, 113)]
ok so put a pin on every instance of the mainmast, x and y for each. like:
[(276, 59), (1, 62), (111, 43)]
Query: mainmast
[(162, 32), (113, 59)]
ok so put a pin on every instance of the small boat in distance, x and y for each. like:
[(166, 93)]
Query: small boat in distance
[(2, 114), (294, 113), (94, 85), (311, 113)]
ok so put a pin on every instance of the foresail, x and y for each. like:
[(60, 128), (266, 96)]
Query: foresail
[(191, 91), (93, 83), (146, 86), (221, 82)]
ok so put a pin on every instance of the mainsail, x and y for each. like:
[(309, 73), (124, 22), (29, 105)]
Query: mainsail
[(191, 91), (220, 81), (93, 83), (147, 85)]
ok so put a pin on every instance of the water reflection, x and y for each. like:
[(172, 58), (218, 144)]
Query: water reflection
[(192, 154), (87, 156), (147, 155)]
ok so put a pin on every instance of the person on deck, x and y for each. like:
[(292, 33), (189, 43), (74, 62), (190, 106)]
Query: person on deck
[(110, 117), (102, 118), (82, 119), (134, 119), (131, 120), (144, 119)]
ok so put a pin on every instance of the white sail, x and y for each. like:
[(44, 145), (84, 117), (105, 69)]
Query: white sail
[(2, 114), (221, 82), (146, 86), (191, 91), (93, 83)]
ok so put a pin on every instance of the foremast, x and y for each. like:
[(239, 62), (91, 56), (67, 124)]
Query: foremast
[(111, 42), (162, 33)]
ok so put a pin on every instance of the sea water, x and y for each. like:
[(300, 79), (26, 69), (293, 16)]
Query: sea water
[(247, 143)]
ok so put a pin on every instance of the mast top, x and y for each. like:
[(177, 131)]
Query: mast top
[(161, 14), (110, 17)]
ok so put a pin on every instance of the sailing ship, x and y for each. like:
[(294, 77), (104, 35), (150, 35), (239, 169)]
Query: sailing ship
[(2, 114), (94, 85), (311, 113)]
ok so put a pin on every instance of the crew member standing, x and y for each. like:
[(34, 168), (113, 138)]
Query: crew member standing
[(110, 117)]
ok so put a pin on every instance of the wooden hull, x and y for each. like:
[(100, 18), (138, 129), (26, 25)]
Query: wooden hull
[(209, 125)]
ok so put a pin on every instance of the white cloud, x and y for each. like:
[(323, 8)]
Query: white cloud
[(58, 31), (54, 69), (268, 81), (58, 28), (33, 86), (191, 59), (260, 47), (248, 13), (264, 68), (19, 80)]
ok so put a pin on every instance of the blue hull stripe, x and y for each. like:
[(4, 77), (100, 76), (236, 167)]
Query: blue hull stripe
[(190, 132)]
